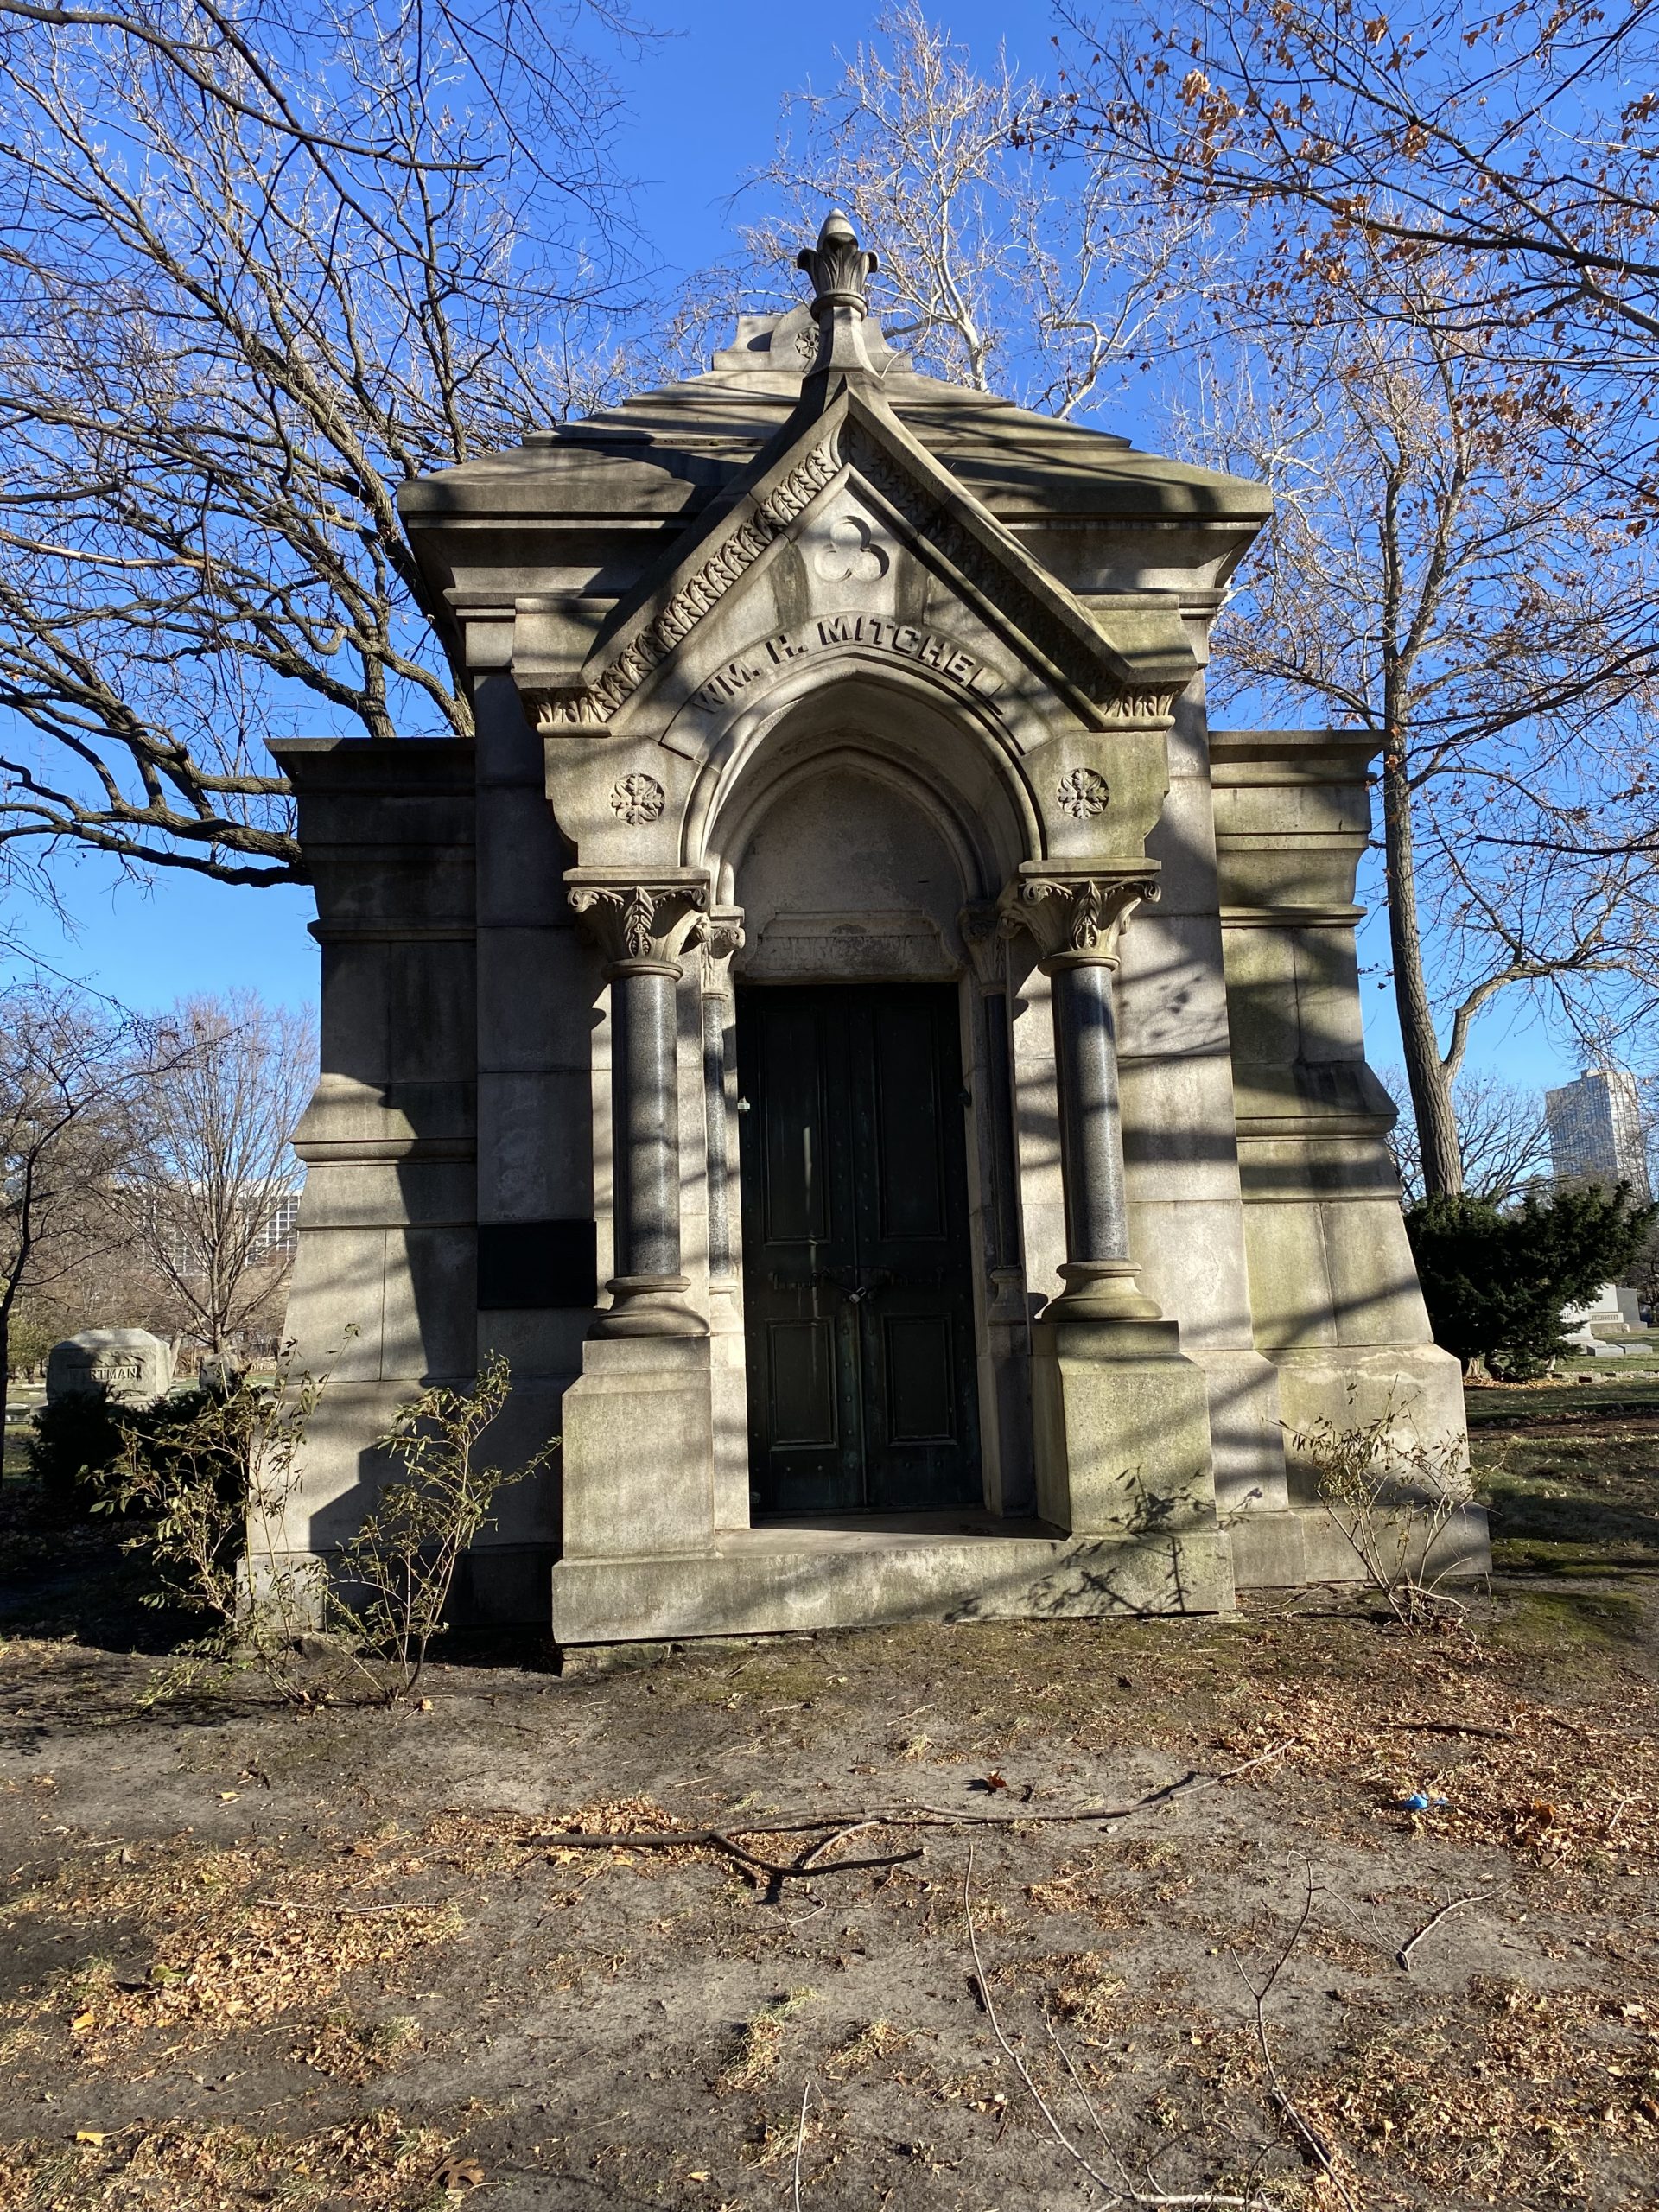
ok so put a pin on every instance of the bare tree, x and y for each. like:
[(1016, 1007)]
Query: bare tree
[(213, 1163), (258, 267), (1441, 571), (69, 1081), (993, 272), (1520, 142), (1502, 1137)]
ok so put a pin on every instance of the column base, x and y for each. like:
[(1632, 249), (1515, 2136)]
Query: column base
[(649, 1306), (1101, 1290)]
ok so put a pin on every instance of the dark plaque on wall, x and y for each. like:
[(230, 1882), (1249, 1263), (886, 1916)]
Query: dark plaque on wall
[(536, 1263)]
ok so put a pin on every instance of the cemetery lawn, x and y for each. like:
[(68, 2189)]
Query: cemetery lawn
[(349, 1958)]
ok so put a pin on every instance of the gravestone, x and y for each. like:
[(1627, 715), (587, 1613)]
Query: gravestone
[(130, 1365)]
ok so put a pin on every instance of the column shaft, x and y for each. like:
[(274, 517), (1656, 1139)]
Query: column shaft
[(645, 1117), (1091, 1138), (713, 1106)]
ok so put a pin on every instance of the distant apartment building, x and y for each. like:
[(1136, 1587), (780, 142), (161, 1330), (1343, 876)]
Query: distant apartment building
[(1595, 1129)]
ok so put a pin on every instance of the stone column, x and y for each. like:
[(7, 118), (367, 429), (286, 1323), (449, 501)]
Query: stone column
[(1011, 1490), (642, 929), (1077, 922)]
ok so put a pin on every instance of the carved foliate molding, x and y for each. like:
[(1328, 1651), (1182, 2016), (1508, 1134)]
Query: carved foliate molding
[(639, 922), (1074, 918), (717, 935), (650, 646)]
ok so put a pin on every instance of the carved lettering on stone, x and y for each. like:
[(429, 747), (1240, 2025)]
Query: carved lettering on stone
[(638, 800), (598, 700)]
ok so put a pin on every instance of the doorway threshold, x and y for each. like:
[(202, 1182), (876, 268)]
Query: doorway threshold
[(845, 1531)]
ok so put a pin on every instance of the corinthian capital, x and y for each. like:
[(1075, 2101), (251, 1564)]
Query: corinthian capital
[(638, 924), (717, 935), (1078, 919)]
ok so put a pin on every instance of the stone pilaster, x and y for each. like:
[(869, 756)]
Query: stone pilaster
[(717, 936), (642, 929)]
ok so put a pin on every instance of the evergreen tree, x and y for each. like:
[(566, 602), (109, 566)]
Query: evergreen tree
[(1495, 1278)]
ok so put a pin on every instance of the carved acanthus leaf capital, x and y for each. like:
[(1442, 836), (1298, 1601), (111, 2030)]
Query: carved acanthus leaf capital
[(633, 923), (717, 935), (1075, 919), (982, 938)]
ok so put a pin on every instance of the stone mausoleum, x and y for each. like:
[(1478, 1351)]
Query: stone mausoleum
[(887, 1074)]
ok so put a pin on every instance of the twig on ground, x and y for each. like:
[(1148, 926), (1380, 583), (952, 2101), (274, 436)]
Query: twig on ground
[(1402, 1956), (1122, 2190), (1279, 2096), (800, 2140), (401, 1904), (1444, 1728)]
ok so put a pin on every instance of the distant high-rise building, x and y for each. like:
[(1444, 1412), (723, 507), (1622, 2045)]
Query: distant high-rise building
[(1595, 1129)]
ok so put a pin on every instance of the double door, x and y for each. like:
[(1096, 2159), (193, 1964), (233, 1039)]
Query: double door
[(857, 1290)]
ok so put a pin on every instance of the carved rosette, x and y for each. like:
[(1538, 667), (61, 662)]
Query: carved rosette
[(639, 924), (717, 935), (1076, 919)]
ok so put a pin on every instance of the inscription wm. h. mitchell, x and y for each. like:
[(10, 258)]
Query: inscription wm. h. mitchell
[(905, 638)]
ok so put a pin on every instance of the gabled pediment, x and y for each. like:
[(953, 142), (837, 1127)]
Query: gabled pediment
[(1106, 668)]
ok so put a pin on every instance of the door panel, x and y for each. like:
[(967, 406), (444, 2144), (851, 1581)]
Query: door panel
[(801, 1358), (860, 1320)]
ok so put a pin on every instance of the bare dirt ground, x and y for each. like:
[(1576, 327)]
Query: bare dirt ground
[(355, 1959)]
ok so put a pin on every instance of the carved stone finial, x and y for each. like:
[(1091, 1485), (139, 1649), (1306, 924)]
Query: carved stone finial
[(838, 268)]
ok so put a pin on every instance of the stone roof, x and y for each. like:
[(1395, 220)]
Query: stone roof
[(668, 451)]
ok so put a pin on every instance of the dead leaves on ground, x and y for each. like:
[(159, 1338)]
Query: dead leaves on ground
[(379, 2163)]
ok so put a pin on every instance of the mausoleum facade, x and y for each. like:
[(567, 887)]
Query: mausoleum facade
[(886, 1073)]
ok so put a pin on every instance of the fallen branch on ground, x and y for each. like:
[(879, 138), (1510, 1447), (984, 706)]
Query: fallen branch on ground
[(1402, 1956), (802, 1869), (1444, 1728), (844, 1823)]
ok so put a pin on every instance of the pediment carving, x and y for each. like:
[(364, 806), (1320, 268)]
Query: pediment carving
[(944, 526)]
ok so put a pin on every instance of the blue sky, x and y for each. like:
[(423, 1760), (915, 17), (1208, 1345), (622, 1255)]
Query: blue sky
[(705, 105)]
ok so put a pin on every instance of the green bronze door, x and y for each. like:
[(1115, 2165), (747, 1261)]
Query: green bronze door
[(859, 1329)]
